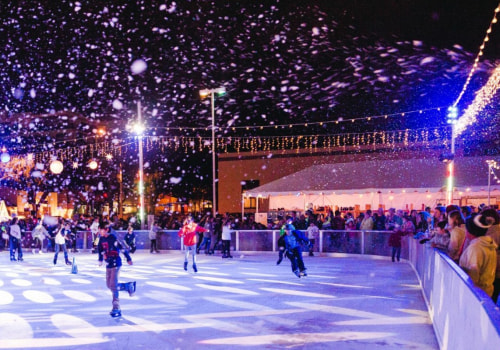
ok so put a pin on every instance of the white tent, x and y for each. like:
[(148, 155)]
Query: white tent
[(403, 183), (4, 213)]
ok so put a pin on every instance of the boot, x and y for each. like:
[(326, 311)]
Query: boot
[(116, 313), (194, 268), (131, 288), (185, 266), (55, 260)]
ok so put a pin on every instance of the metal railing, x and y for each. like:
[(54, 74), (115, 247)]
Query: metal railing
[(329, 241)]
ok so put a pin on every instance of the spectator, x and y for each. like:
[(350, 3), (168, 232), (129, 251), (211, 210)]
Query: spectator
[(367, 223), (494, 232), (479, 258), (457, 234), (441, 238), (379, 222), (338, 221)]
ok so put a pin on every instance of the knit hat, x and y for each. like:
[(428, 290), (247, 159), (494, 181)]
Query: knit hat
[(478, 225)]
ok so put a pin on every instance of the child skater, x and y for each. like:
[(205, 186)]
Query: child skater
[(293, 240), (108, 249), (189, 233)]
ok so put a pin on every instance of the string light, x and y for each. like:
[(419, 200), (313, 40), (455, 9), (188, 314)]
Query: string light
[(307, 124), (480, 53), (481, 100)]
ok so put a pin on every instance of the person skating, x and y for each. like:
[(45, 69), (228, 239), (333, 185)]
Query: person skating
[(226, 239), (108, 250), (60, 240), (130, 239), (15, 241), (189, 234), (281, 244), (293, 240)]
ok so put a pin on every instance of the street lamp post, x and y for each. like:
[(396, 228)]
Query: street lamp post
[(204, 93), (139, 130), (451, 119), (490, 166)]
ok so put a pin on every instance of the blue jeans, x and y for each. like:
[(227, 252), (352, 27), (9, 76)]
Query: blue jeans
[(58, 248), (295, 256), (15, 244), (206, 244), (188, 248), (396, 252)]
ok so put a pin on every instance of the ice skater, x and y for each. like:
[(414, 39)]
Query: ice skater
[(108, 250), (60, 240), (15, 241), (293, 240), (189, 233), (130, 239)]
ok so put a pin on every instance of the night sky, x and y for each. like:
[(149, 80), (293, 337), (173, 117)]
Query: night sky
[(280, 61)]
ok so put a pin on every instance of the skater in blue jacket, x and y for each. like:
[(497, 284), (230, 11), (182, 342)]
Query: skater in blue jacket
[(109, 250), (293, 240)]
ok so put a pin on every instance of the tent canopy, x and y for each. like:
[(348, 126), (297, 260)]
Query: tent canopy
[(380, 176)]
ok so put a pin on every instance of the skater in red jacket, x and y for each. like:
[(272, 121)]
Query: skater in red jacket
[(189, 233)]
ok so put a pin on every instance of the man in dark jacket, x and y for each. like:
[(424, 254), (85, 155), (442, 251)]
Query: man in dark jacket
[(293, 240), (109, 250)]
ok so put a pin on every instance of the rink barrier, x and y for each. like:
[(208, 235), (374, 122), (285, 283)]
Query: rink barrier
[(463, 316), (330, 241)]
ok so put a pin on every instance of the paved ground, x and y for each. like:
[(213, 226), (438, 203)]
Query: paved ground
[(247, 302)]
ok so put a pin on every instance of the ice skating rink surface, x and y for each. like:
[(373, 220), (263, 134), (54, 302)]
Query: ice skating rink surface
[(248, 302)]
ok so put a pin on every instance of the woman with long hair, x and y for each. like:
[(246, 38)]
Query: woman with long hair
[(457, 234)]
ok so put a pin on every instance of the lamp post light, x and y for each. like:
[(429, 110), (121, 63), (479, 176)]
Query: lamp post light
[(451, 119), (203, 94), (491, 163), (138, 129)]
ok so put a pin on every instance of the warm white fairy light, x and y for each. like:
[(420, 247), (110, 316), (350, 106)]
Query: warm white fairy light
[(480, 53), (482, 99)]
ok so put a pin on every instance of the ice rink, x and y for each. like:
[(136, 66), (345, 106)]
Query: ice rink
[(248, 302)]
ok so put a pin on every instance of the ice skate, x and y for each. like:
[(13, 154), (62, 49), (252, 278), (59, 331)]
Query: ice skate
[(297, 273), (185, 266), (194, 268), (116, 313), (303, 273), (131, 288)]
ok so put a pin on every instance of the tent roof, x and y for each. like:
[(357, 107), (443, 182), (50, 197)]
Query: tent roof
[(419, 175)]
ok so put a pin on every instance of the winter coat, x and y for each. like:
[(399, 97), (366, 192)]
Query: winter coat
[(494, 232), (109, 250), (189, 233), (479, 260), (15, 231), (457, 238), (295, 239)]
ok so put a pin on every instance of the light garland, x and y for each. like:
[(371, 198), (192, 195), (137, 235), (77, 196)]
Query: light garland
[(482, 99), (494, 165), (311, 143), (480, 53), (292, 125)]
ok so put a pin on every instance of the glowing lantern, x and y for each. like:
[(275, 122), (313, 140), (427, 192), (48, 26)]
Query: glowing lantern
[(56, 167), (5, 157)]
